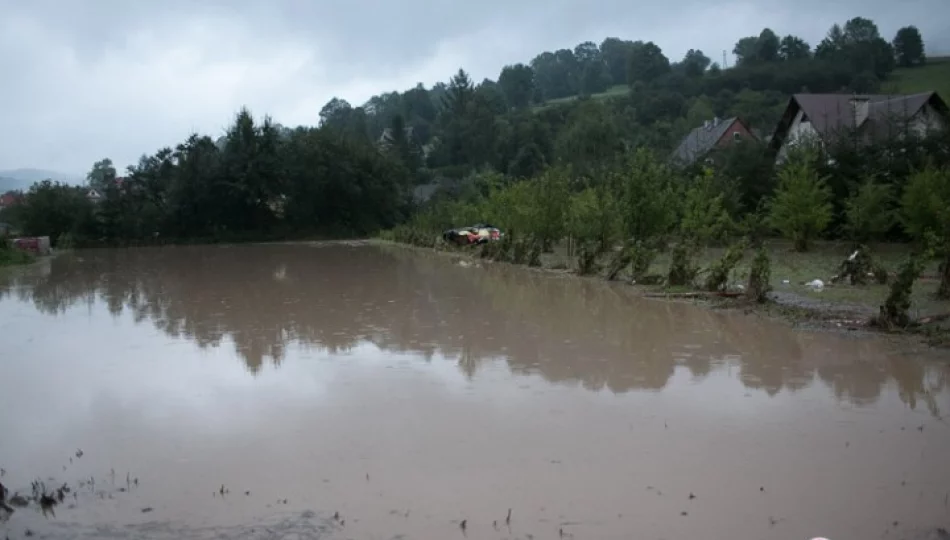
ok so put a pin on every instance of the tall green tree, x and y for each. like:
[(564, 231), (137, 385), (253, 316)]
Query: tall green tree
[(909, 47), (925, 213), (615, 53), (793, 48), (646, 63), (801, 208), (102, 175), (517, 84), (695, 63)]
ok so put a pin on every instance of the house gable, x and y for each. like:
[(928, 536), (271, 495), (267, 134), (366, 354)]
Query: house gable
[(712, 134), (826, 116)]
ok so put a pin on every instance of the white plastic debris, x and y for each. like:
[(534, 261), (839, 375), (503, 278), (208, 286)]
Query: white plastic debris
[(785, 282), (816, 285)]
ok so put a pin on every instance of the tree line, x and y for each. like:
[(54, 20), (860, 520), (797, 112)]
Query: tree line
[(259, 181)]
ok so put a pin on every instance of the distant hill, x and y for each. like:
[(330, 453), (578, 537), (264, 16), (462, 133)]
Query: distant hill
[(12, 184), (36, 175)]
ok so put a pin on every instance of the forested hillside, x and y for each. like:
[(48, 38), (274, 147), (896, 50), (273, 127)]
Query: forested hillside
[(643, 98), (356, 173)]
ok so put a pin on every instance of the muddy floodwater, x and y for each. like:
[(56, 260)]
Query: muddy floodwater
[(369, 391)]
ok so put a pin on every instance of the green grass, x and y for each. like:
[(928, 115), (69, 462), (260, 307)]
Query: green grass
[(619, 90), (934, 75), (10, 256)]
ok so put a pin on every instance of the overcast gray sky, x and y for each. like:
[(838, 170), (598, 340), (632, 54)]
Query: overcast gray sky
[(88, 79)]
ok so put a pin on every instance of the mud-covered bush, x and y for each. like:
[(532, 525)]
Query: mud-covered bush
[(587, 254), (682, 270), (760, 277), (641, 258), (856, 267), (534, 253), (895, 313), (718, 275), (620, 260)]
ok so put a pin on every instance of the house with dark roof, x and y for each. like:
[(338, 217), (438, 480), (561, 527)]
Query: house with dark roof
[(713, 134), (823, 117)]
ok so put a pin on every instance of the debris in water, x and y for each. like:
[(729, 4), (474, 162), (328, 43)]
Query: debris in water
[(920, 428), (147, 509), (79, 453), (135, 481), (847, 444), (494, 524), (773, 521), (508, 519), (560, 532), (691, 496), (28, 532), (222, 490), (367, 477), (336, 516), (762, 488), (684, 513), (246, 493), (463, 523)]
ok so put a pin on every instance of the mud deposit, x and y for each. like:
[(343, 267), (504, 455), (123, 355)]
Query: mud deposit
[(359, 391)]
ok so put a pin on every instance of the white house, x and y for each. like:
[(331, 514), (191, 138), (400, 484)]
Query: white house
[(822, 117)]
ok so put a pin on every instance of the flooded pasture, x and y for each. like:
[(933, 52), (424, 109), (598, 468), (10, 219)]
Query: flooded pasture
[(366, 391)]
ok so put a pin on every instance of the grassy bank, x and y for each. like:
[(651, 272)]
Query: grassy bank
[(838, 306)]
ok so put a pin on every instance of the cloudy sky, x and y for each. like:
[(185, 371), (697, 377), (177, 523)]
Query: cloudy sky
[(85, 79)]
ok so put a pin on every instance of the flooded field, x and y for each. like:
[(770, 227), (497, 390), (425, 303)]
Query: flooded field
[(361, 391)]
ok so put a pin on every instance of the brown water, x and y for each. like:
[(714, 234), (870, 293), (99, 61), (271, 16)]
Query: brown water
[(408, 393)]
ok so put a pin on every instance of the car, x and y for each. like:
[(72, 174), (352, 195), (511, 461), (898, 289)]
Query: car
[(460, 237), (476, 234)]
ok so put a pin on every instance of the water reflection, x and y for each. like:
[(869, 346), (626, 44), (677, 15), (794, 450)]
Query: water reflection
[(266, 298)]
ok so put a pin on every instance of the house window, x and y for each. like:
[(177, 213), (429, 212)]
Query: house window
[(736, 136)]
